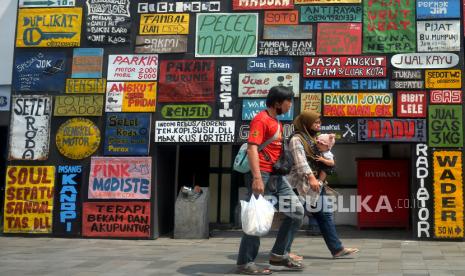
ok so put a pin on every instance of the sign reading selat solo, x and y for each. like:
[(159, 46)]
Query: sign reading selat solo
[(29, 199), (78, 138)]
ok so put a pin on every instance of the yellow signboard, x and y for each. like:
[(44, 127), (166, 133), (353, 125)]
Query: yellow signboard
[(351, 104), (306, 2), (49, 27), (85, 85), (131, 96), (29, 199), (78, 138), (448, 194), (310, 102), (443, 79), (166, 23)]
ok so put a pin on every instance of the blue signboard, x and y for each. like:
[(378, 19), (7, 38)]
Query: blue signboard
[(87, 63), (39, 71), (346, 84), (427, 9), (127, 134), (269, 65), (250, 108)]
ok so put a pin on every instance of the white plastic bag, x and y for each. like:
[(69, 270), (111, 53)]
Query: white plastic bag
[(256, 216)]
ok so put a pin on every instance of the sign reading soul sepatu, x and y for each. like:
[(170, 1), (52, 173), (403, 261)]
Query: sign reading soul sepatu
[(445, 126), (127, 134)]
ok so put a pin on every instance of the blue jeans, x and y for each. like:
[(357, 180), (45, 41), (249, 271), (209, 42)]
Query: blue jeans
[(278, 187)]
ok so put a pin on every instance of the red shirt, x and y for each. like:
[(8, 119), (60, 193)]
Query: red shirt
[(262, 128)]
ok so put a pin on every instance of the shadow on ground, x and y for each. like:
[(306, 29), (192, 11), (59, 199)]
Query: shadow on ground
[(207, 269)]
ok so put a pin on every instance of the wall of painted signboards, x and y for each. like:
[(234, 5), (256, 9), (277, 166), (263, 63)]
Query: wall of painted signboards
[(98, 85)]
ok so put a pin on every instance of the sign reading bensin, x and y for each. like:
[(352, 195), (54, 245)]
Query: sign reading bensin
[(120, 177), (186, 111), (448, 194), (131, 97), (54, 27), (29, 199), (85, 86), (445, 126), (78, 105), (358, 104), (78, 138), (167, 23), (226, 35), (443, 79)]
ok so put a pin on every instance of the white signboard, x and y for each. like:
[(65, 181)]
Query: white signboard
[(194, 131), (259, 84), (132, 67), (435, 36), (30, 127), (425, 60), (46, 3)]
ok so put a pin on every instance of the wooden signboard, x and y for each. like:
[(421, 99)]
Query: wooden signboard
[(358, 104), (164, 24), (443, 79), (339, 39), (161, 44), (78, 105), (287, 32), (345, 67)]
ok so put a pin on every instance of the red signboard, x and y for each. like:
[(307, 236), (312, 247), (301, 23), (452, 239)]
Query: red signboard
[(339, 39), (411, 104), (263, 5), (186, 81), (116, 219), (345, 67), (446, 97), (281, 17)]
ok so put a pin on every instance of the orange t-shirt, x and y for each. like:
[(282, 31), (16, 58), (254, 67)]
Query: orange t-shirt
[(262, 128)]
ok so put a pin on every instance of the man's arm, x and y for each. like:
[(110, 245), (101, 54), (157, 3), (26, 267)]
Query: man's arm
[(257, 184)]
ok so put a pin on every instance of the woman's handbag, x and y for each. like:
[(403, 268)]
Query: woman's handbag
[(284, 164)]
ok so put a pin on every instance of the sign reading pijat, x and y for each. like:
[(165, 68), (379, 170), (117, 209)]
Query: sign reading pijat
[(39, 71), (108, 22), (389, 26), (411, 104), (391, 130), (357, 104), (345, 67), (445, 126), (251, 107), (186, 81), (78, 105), (127, 134), (287, 32), (310, 102), (85, 85), (179, 6), (43, 3), (186, 111), (29, 199), (120, 177), (345, 84), (226, 35), (87, 63), (281, 17), (194, 131), (446, 97), (286, 48), (116, 219), (161, 44), (425, 60), (284, 64), (448, 194), (427, 9), (67, 218), (77, 138), (435, 36), (262, 5), (443, 79), (328, 13), (339, 39), (132, 67), (161, 24), (131, 97), (54, 27), (30, 127), (259, 84), (345, 129)]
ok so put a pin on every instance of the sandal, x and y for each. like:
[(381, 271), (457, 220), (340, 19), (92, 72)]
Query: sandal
[(345, 252), (296, 257), (289, 263), (253, 269)]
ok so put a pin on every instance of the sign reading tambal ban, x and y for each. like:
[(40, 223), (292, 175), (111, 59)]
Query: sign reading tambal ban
[(194, 131), (445, 126), (358, 104), (445, 97), (251, 107), (67, 217), (443, 79), (330, 13), (345, 84), (39, 71), (269, 64), (161, 44), (345, 129), (120, 177), (132, 67), (310, 102), (243, 131), (425, 60), (78, 105), (46, 3), (78, 138), (339, 39), (186, 81), (131, 97), (259, 84), (391, 130), (191, 6), (226, 35), (345, 67), (290, 17), (389, 27), (186, 111), (164, 24), (29, 199), (436, 36), (287, 32), (127, 134), (411, 104), (108, 22), (306, 2), (286, 48), (30, 127), (262, 5), (87, 63), (54, 27), (116, 219), (85, 86), (448, 194), (428, 9)]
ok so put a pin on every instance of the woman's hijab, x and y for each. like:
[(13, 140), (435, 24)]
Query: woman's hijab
[(302, 126)]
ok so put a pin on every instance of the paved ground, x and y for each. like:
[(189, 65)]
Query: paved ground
[(383, 252)]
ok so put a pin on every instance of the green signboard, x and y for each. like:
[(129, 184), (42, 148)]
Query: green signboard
[(445, 127), (330, 13), (186, 111)]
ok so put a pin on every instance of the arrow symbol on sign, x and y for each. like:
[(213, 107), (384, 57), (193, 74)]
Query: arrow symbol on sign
[(458, 230), (38, 3)]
